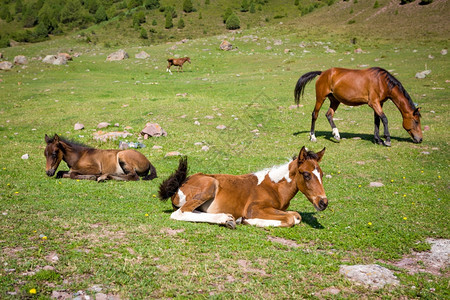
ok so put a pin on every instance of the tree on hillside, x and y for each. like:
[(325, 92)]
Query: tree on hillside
[(252, 8), (151, 4), (226, 14), (233, 22), (244, 6), (180, 24), (72, 12), (187, 6), (49, 15), (100, 14), (91, 6), (19, 7), (29, 17), (138, 18), (134, 3), (169, 23)]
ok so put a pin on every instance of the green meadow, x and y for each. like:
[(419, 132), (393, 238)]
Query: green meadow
[(62, 236)]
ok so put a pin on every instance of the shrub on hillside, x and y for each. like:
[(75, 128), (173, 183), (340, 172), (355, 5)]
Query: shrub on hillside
[(244, 6), (143, 34), (226, 14), (187, 6), (138, 18), (134, 3), (180, 24), (233, 22), (151, 4), (169, 23), (100, 14), (402, 2)]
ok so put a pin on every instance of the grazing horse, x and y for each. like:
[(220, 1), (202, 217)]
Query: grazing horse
[(259, 199), (372, 86), (95, 164), (177, 62)]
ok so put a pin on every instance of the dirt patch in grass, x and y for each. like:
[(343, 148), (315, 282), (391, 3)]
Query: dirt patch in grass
[(432, 261), (171, 231), (12, 252), (247, 268), (286, 242)]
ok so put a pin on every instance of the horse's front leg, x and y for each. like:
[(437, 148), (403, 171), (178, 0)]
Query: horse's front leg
[(76, 175), (387, 135), (62, 174), (271, 217), (376, 132)]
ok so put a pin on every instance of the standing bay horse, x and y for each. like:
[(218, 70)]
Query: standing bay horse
[(95, 164), (177, 62), (259, 199), (372, 86)]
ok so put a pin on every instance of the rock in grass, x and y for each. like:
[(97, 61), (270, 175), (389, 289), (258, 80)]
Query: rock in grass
[(142, 55), (221, 127), (78, 126), (423, 74), (376, 184), (6, 65), (372, 275), (173, 153), (153, 130), (118, 55), (20, 60), (103, 125), (226, 46), (25, 156)]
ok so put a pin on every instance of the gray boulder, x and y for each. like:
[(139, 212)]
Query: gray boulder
[(118, 55)]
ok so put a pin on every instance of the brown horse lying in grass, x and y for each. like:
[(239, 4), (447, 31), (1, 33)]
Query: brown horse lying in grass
[(259, 199), (372, 86), (177, 62), (95, 164)]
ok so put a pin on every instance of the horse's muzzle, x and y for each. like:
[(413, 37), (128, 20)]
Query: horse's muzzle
[(417, 140), (322, 205), (50, 172)]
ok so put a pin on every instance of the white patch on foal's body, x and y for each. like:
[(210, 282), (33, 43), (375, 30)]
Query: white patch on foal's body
[(182, 198), (276, 173), (196, 216), (317, 173), (263, 222)]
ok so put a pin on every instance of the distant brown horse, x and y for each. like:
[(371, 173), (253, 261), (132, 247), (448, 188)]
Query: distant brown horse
[(177, 62), (259, 199), (95, 164), (372, 86)]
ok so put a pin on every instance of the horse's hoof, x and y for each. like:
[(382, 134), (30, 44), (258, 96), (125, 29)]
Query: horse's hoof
[(313, 138), (387, 144), (230, 224), (379, 142)]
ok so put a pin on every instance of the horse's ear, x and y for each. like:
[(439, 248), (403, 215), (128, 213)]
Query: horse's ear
[(47, 139), (320, 154), (302, 155), (417, 112), (56, 138)]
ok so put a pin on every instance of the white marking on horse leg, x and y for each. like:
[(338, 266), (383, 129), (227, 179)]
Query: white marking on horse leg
[(297, 221), (312, 137), (317, 173), (263, 222), (201, 217), (182, 198), (336, 134)]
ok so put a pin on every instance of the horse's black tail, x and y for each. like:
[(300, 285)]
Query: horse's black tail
[(302, 82), (171, 185)]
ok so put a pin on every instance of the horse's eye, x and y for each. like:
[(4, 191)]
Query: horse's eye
[(306, 175), (54, 155)]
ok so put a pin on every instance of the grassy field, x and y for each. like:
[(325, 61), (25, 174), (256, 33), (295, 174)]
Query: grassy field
[(67, 236)]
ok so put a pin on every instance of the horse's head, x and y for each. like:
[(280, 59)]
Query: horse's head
[(411, 124), (53, 154), (188, 59), (309, 178)]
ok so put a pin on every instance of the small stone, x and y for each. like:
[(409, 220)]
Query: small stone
[(153, 130), (426, 128), (20, 60), (444, 51), (226, 46), (209, 117), (198, 144), (221, 127), (328, 176), (205, 148), (372, 275), (172, 153), (287, 50), (425, 152), (118, 55), (78, 126), (101, 296), (25, 156), (156, 147), (6, 65), (103, 125), (196, 123), (116, 125), (49, 268), (376, 184), (142, 55)]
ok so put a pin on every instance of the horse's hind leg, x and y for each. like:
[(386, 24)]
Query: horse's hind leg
[(195, 196), (334, 103), (319, 101)]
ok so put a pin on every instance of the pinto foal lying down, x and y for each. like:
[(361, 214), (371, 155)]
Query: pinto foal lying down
[(259, 199)]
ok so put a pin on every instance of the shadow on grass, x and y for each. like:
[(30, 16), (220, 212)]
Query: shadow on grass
[(311, 220), (346, 135)]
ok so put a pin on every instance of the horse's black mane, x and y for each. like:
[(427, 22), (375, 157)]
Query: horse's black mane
[(72, 143), (309, 155), (394, 82)]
